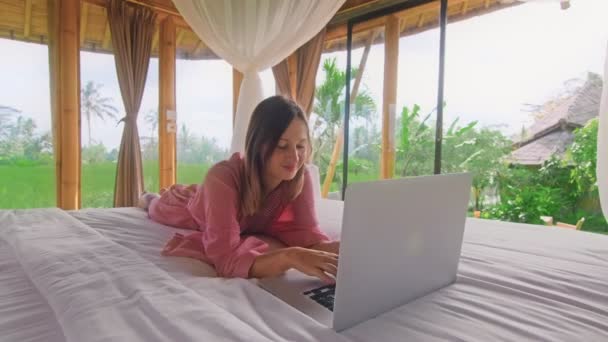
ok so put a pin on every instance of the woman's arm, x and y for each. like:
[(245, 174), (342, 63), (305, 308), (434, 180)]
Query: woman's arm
[(322, 265)]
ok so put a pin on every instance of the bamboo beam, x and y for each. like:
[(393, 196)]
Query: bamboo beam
[(420, 20), (27, 22), (391, 64), (337, 31), (364, 7), (107, 35), (465, 7), (402, 24), (162, 11), (197, 49), (84, 16), (331, 168), (167, 128), (292, 69), (237, 79), (180, 37), (155, 38), (64, 68)]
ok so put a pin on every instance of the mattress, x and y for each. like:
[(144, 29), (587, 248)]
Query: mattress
[(97, 275)]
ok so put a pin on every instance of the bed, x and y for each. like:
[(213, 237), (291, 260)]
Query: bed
[(97, 275)]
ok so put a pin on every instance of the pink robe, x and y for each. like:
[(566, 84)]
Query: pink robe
[(223, 239)]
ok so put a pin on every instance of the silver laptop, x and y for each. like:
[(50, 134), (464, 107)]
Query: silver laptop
[(401, 240)]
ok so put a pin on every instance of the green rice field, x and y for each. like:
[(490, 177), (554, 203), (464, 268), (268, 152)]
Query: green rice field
[(33, 186)]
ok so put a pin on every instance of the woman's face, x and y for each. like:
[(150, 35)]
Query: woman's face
[(290, 153)]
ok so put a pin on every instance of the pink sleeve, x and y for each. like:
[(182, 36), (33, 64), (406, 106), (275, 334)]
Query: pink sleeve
[(298, 225), (215, 208)]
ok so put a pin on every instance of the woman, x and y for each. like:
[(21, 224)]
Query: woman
[(255, 214)]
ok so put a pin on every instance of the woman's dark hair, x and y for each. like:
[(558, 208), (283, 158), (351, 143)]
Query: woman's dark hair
[(269, 120)]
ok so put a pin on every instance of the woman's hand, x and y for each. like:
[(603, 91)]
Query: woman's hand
[(313, 262), (331, 247)]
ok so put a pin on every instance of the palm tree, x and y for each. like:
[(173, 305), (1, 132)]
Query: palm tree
[(6, 114), (93, 104), (329, 106), (151, 119)]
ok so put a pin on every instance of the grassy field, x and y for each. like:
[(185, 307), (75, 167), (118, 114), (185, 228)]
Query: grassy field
[(34, 186)]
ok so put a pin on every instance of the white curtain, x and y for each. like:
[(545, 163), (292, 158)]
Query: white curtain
[(602, 144), (253, 35)]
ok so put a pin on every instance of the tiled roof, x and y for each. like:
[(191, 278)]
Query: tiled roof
[(540, 150), (574, 111), (552, 134)]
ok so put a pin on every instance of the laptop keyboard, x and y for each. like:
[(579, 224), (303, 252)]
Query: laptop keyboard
[(323, 295)]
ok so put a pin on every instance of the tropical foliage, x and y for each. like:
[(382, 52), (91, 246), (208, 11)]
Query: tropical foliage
[(94, 105), (565, 189)]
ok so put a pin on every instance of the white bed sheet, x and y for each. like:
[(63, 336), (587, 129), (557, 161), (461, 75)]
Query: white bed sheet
[(516, 283)]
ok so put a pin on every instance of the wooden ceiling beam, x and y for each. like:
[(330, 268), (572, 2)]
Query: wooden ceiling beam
[(197, 49), (84, 16), (180, 37), (402, 24), (155, 7), (27, 23), (369, 6), (162, 11), (106, 35), (339, 31), (155, 38), (420, 20)]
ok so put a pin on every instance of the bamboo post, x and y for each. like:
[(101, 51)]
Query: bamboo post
[(64, 67), (391, 64), (27, 22), (237, 79), (167, 127), (331, 169)]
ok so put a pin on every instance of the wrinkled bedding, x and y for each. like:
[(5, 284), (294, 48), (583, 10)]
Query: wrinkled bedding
[(97, 275)]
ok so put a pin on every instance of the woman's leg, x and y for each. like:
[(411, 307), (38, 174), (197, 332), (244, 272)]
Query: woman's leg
[(171, 207)]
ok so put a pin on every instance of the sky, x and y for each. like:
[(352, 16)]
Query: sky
[(495, 64)]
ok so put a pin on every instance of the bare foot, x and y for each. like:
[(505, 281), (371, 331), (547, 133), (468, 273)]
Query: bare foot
[(145, 199)]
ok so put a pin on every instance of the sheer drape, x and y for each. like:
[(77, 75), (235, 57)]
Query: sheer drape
[(253, 35)]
